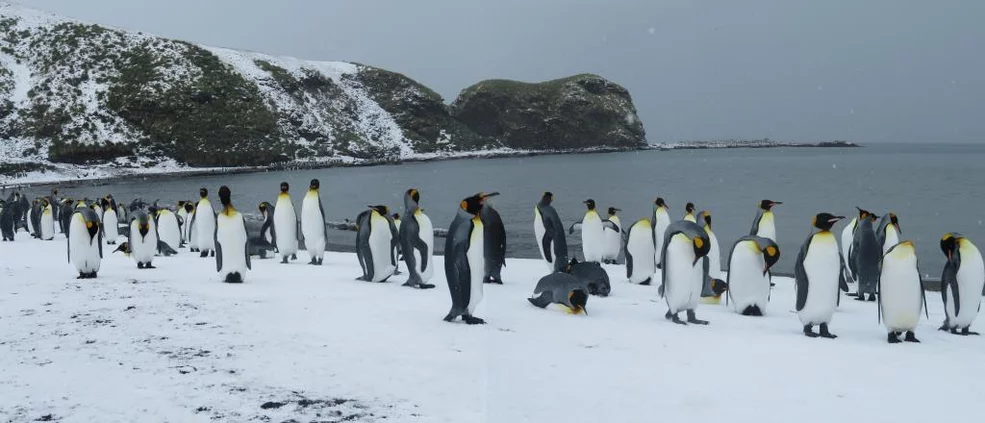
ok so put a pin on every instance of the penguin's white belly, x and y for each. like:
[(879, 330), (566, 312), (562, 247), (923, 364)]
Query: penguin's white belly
[(846, 242), (205, 226), (747, 284), (640, 247), (313, 226), (84, 250), (426, 234), (169, 230), (714, 257), (822, 266), (592, 237), (613, 240), (682, 289), (47, 225), (477, 264), (659, 229), (30, 221), (971, 277), (899, 293), (767, 228), (539, 232), (892, 238), (231, 235), (111, 226), (143, 248), (183, 218), (380, 240), (286, 226)]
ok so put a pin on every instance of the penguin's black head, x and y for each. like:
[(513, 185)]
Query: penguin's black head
[(382, 210), (689, 207), (707, 216), (315, 184), (768, 204), (473, 205), (771, 254), (613, 211), (660, 202), (894, 220), (701, 247), (864, 214), (143, 225), (414, 194), (284, 187), (92, 227), (485, 196), (547, 198), (104, 202), (824, 221), (578, 299), (718, 286), (189, 207), (224, 195), (202, 192), (396, 216), (590, 203), (949, 245), (263, 206)]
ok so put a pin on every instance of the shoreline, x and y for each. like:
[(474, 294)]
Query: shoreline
[(485, 154)]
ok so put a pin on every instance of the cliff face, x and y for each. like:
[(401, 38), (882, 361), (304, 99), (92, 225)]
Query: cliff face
[(581, 111), (88, 95)]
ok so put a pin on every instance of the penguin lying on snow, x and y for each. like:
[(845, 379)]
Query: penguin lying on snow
[(593, 275), (561, 288)]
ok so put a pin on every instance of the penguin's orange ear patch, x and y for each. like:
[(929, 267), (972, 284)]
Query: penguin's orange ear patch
[(814, 221), (698, 242), (464, 205), (770, 251)]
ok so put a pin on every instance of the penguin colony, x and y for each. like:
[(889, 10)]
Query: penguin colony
[(873, 253)]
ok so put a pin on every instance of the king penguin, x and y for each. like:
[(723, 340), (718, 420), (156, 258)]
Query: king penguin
[(267, 227), (142, 241), (763, 225), (204, 224), (689, 213), (495, 249), (168, 227), (612, 229), (864, 256), (660, 221), (888, 231), (285, 229), (376, 243), (749, 265), (183, 221), (714, 281), (961, 283), (85, 243), (592, 233), (188, 230), (901, 294), (416, 235), (640, 264), (465, 260), (313, 227), (111, 221), (561, 288), (685, 246), (549, 232), (232, 258), (817, 273), (47, 221)]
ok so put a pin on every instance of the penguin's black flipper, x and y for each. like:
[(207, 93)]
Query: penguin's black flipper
[(542, 300), (629, 264), (800, 274), (218, 256), (100, 241), (546, 243), (571, 230), (421, 246)]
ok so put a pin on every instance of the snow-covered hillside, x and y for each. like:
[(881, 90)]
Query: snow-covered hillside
[(303, 343)]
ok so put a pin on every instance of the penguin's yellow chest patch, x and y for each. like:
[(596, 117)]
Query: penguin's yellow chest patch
[(767, 217), (311, 194), (824, 238)]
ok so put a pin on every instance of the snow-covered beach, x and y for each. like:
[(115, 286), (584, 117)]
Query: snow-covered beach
[(304, 343)]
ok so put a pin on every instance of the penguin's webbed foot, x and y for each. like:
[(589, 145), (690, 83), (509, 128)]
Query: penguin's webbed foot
[(954, 331), (872, 297), (647, 281), (425, 286), (449, 318), (204, 254), (472, 320), (320, 261), (859, 297), (140, 265), (809, 331), (284, 261), (673, 318), (966, 332), (944, 327), (692, 318), (825, 333), (149, 266), (911, 337), (294, 256), (893, 338), (212, 253)]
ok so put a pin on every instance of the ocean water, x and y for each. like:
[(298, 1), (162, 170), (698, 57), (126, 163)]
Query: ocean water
[(933, 188)]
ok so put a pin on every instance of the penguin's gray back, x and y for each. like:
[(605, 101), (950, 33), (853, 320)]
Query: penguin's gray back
[(555, 229), (556, 288), (867, 253)]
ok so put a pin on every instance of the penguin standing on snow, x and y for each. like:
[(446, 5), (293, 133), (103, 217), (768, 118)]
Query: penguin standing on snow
[(232, 258), (660, 221), (764, 225), (495, 248), (961, 283), (901, 294), (204, 224), (612, 234), (416, 235), (685, 246), (376, 242), (285, 228), (592, 233), (561, 288), (267, 227), (168, 229), (187, 229), (142, 243), (465, 260), (749, 266), (313, 227), (864, 256), (550, 234), (111, 220), (183, 221), (66, 209), (714, 285), (7, 227), (32, 225), (47, 221), (888, 231), (817, 273), (85, 243), (639, 253), (689, 213)]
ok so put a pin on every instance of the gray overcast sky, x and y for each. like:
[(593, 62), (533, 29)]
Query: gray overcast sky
[(871, 71)]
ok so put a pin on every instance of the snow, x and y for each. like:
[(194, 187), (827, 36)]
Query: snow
[(174, 344), (21, 78)]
